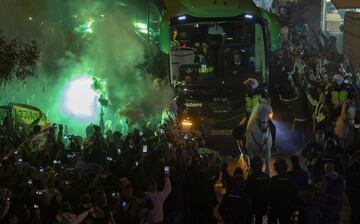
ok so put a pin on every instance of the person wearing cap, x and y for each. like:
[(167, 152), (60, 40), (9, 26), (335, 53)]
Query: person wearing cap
[(336, 96), (253, 96)]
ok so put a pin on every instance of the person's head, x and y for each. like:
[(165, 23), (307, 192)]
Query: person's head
[(329, 168), (237, 181), (338, 80), (237, 58), (126, 188), (256, 164), (319, 137), (238, 172), (330, 146), (109, 134), (295, 161), (281, 166), (204, 46), (117, 136), (174, 33), (90, 131), (251, 84)]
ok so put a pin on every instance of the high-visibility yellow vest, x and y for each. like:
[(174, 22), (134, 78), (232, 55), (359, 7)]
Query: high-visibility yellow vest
[(338, 98), (204, 69), (251, 102)]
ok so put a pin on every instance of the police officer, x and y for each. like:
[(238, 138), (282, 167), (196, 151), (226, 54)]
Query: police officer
[(336, 96), (253, 96)]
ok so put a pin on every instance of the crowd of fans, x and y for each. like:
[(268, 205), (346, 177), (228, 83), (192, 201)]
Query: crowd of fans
[(48, 176), (162, 177), (318, 85)]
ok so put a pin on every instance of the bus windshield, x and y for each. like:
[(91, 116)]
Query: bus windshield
[(210, 52)]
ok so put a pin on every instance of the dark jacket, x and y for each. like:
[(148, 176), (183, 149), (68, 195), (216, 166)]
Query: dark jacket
[(257, 188), (235, 208), (283, 193), (301, 178)]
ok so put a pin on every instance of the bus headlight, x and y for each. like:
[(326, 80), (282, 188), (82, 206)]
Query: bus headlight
[(186, 123)]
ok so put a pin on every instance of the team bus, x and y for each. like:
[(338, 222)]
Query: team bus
[(211, 48)]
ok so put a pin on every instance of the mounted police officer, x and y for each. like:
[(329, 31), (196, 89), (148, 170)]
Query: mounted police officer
[(253, 96)]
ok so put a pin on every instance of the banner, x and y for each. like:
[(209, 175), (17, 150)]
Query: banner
[(26, 115)]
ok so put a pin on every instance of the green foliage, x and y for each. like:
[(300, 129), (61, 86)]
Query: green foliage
[(17, 59)]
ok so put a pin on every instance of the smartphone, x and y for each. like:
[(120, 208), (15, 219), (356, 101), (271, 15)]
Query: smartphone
[(119, 152), (109, 159), (36, 206), (123, 204), (167, 169), (145, 148)]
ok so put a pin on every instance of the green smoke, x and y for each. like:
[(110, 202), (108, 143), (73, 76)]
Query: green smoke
[(95, 38)]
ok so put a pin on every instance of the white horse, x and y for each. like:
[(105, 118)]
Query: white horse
[(344, 127), (258, 135)]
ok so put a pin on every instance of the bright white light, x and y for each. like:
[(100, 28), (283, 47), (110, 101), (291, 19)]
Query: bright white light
[(248, 16), (181, 18), (80, 99)]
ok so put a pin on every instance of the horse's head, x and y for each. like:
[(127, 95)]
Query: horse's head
[(260, 116)]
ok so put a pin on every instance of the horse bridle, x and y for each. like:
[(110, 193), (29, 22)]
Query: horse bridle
[(258, 144)]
